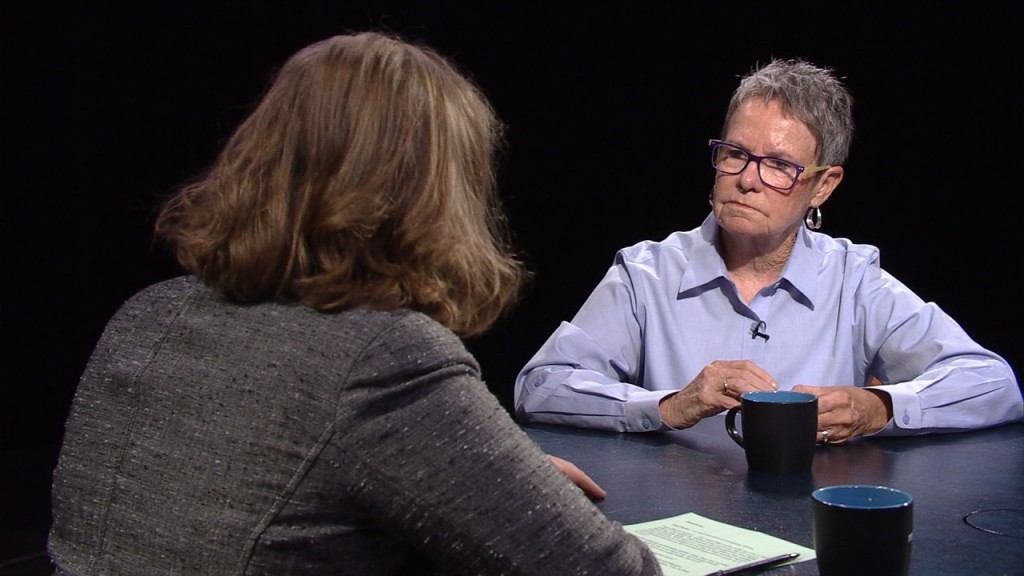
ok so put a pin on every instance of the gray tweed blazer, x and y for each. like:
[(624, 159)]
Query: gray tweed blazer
[(213, 438)]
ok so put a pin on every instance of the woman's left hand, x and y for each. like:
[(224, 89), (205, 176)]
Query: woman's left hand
[(579, 477), (845, 412)]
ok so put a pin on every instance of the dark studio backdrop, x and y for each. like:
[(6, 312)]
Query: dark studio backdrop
[(108, 107)]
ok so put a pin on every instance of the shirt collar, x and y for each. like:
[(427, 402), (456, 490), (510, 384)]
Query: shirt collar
[(801, 271), (706, 267)]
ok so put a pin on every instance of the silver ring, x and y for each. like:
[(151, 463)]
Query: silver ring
[(725, 386), (824, 436)]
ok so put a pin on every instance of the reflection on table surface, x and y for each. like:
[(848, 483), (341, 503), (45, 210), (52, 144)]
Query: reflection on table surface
[(656, 475)]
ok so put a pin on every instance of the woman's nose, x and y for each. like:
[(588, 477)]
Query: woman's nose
[(750, 177)]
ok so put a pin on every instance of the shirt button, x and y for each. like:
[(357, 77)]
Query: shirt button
[(646, 424)]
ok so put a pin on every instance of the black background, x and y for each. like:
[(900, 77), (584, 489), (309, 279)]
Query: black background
[(107, 108)]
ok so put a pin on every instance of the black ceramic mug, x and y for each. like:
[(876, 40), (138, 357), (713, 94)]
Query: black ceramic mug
[(862, 530), (778, 430)]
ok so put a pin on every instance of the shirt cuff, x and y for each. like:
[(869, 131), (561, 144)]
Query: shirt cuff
[(906, 408), (644, 415)]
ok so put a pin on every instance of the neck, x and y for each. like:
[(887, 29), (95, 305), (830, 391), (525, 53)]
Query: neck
[(753, 259)]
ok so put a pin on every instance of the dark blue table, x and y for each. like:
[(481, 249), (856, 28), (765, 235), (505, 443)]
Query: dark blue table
[(657, 475)]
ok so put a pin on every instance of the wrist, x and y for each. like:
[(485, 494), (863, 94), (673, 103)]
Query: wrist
[(674, 411), (882, 411)]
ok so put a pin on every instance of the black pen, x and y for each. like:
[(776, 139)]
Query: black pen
[(763, 563)]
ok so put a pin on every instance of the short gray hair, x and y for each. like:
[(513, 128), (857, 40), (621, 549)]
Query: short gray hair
[(811, 94)]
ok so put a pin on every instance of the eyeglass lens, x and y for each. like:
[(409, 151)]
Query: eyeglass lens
[(774, 172)]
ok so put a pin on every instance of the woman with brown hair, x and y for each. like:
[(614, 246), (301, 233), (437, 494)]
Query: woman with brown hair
[(301, 401)]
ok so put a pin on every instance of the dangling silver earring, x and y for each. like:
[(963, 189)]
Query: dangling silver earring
[(813, 218)]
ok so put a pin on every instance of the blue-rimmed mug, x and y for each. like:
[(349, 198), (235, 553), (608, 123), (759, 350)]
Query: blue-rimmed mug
[(778, 430), (862, 529)]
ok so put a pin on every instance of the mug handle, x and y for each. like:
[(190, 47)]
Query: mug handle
[(730, 426)]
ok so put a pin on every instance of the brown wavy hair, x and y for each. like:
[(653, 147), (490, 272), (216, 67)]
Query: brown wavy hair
[(365, 177)]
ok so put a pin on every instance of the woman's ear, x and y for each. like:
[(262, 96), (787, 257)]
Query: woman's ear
[(827, 182)]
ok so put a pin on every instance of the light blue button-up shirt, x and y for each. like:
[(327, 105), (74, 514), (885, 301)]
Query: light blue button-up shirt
[(665, 310)]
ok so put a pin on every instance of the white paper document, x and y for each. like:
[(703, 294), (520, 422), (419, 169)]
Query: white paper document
[(691, 545)]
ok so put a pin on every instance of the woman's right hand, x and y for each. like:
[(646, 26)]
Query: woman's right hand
[(716, 388)]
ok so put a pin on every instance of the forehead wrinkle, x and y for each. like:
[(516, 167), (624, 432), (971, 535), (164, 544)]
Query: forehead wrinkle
[(768, 131)]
